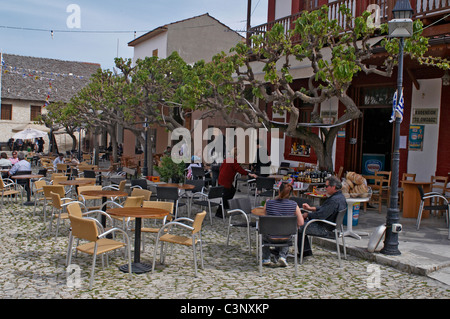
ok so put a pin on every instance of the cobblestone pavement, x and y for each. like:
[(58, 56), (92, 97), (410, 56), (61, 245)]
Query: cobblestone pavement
[(32, 266)]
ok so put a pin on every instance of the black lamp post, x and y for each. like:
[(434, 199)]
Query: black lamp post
[(401, 27), (145, 168)]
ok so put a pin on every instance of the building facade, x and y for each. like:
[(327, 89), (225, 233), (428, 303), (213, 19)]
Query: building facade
[(28, 84), (196, 38), (367, 143)]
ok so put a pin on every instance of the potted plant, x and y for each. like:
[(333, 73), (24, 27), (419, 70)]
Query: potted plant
[(170, 171)]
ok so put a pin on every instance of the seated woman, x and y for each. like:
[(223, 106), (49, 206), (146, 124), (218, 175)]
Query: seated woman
[(281, 206)]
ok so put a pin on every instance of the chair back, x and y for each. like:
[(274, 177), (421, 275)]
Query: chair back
[(83, 228), (408, 177), (141, 192), (57, 179), (89, 174), (61, 167), (197, 224), (58, 189), (56, 200), (139, 182), (74, 209), (170, 193), (340, 218), (241, 203), (2, 184), (215, 192), (197, 172), (198, 183), (277, 225), (122, 185), (133, 201), (158, 204), (439, 184), (386, 177), (43, 172), (39, 184), (89, 188), (265, 183)]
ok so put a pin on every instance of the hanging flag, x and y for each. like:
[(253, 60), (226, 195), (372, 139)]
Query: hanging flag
[(397, 108)]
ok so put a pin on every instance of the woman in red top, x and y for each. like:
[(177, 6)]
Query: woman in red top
[(228, 170)]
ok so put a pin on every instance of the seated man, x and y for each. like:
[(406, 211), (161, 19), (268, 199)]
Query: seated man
[(21, 165), (58, 160), (328, 211)]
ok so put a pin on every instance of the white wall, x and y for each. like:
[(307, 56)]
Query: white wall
[(282, 8), (423, 163), (146, 48)]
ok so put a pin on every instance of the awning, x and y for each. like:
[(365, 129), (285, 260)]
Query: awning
[(31, 125)]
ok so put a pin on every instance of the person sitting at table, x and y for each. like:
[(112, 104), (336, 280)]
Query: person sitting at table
[(58, 160), (74, 160), (13, 159), (329, 210), (228, 170), (21, 165), (280, 206), (4, 161)]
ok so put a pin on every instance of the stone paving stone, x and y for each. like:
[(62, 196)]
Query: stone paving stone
[(32, 266)]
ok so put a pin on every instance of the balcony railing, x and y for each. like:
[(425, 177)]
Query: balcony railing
[(381, 11)]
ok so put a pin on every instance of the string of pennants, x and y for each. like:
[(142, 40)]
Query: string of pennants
[(38, 75)]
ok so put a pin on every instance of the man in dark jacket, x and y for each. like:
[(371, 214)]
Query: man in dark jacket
[(327, 211)]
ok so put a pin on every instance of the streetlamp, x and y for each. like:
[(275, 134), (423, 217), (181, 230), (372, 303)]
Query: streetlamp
[(400, 27), (145, 168)]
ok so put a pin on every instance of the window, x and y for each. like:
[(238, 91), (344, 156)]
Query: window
[(35, 112), (6, 112), (155, 52)]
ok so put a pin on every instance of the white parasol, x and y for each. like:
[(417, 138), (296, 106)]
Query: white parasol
[(28, 134)]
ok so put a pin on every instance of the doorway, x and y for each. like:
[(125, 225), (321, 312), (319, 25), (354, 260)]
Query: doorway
[(377, 136)]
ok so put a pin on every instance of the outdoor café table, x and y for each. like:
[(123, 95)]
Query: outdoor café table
[(104, 194), (28, 178), (411, 198), (75, 182), (138, 213), (350, 232)]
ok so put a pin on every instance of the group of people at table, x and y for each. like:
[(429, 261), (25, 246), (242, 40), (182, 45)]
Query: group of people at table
[(283, 206)]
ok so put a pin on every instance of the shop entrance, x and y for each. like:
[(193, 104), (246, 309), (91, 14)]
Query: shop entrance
[(376, 140)]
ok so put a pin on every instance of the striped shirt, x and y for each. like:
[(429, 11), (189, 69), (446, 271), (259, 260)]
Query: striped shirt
[(281, 207)]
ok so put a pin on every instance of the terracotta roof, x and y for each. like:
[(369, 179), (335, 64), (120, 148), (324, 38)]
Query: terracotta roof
[(35, 79)]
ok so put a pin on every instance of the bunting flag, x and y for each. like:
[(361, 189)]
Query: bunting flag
[(397, 108)]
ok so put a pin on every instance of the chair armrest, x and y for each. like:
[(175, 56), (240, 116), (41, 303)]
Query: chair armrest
[(110, 187), (136, 186), (98, 211), (111, 202), (436, 195), (173, 223), (318, 220), (112, 230)]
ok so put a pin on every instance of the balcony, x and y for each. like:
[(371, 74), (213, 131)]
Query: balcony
[(428, 11)]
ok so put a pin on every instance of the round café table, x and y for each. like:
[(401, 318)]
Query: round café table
[(138, 213), (28, 177), (76, 183), (104, 194)]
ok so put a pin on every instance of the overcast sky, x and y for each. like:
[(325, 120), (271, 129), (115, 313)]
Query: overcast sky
[(99, 30)]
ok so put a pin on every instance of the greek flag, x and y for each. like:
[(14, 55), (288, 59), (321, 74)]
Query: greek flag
[(397, 108)]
